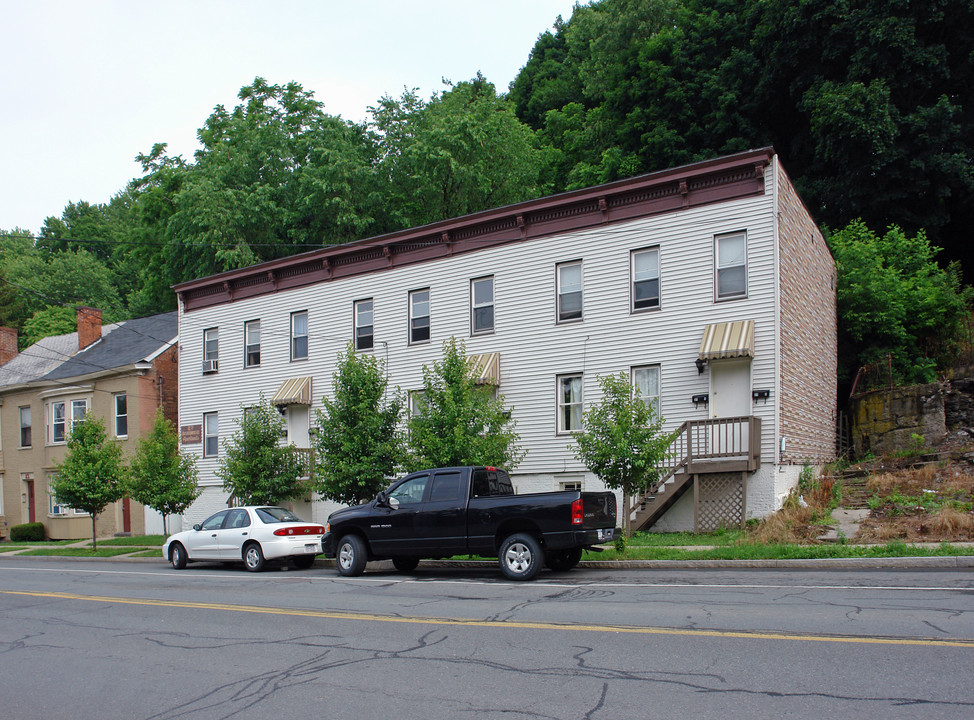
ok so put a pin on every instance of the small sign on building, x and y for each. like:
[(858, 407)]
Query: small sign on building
[(191, 434)]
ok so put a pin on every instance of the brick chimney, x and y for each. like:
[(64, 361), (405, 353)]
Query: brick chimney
[(8, 344), (89, 326)]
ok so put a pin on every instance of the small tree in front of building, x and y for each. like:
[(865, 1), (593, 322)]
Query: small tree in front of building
[(459, 422), (91, 476), (256, 468), (622, 439), (358, 442), (160, 476)]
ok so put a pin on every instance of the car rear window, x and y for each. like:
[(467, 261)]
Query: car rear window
[(276, 515), (491, 482)]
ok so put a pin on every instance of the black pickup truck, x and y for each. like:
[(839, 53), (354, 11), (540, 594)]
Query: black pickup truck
[(469, 510)]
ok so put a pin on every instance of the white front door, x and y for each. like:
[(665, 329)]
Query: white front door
[(730, 396)]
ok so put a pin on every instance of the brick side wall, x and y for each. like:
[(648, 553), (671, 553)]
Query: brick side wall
[(165, 373), (808, 333)]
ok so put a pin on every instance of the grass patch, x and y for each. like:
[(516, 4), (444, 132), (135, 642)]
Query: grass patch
[(79, 552), (721, 537), (138, 540), (756, 551), (149, 553), (10, 548)]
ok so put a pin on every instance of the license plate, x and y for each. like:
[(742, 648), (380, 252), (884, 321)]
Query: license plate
[(605, 534), (311, 547)]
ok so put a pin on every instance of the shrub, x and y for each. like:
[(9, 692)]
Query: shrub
[(28, 532)]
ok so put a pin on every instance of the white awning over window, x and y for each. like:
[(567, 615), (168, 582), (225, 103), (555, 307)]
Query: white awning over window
[(728, 340), (486, 368), (295, 391)]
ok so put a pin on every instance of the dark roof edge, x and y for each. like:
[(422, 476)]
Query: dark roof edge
[(667, 190)]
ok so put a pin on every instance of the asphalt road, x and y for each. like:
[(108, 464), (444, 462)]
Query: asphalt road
[(140, 640)]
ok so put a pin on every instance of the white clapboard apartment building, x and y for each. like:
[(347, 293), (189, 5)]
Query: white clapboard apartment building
[(709, 284)]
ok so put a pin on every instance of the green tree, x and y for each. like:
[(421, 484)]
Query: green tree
[(894, 300), (160, 476), (358, 443), (256, 467), (460, 422), (91, 476), (622, 439)]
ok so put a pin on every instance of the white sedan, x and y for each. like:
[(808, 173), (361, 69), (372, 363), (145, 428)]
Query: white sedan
[(253, 534)]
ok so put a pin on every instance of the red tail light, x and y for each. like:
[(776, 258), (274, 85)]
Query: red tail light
[(300, 530), (577, 512)]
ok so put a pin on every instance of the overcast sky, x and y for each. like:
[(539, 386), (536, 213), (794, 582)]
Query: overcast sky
[(89, 84)]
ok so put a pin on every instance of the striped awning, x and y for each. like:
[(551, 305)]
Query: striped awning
[(486, 368), (296, 391), (728, 340)]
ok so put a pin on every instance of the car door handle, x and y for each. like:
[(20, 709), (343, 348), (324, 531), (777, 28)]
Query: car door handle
[(243, 533), (213, 535)]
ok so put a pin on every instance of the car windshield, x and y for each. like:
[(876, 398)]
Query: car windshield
[(276, 515)]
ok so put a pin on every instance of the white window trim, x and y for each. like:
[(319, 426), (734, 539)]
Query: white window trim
[(717, 267), (659, 382), (215, 355), (20, 433), (215, 435), (115, 398), (632, 281), (248, 344), (474, 306), (558, 268), (307, 332), (355, 324), (561, 406), (428, 315)]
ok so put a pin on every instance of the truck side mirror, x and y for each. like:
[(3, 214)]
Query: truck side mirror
[(380, 499)]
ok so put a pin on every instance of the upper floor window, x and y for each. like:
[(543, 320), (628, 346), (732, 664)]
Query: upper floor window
[(417, 402), (364, 328), (645, 279), (252, 343), (211, 435), (211, 350), (731, 262), (121, 415), (57, 421), (645, 382), (25, 438), (482, 305), (79, 408), (569, 403), (419, 316), (299, 335), (569, 281)]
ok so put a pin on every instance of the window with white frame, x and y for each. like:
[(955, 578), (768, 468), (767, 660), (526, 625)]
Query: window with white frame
[(645, 279), (252, 343), (731, 265), (211, 435), (419, 316), (569, 291), (55, 508), (58, 416), (121, 415), (211, 350), (573, 485), (645, 384), (364, 324), (569, 403), (482, 305), (299, 335), (79, 408), (417, 402), (25, 427)]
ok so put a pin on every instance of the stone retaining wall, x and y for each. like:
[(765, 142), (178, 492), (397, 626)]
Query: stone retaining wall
[(886, 420)]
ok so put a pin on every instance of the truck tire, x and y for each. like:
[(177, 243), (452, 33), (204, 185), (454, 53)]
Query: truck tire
[(561, 560), (351, 556), (520, 556), (406, 563)]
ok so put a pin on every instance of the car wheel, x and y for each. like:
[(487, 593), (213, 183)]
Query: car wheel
[(303, 562), (177, 556), (563, 559), (405, 564), (253, 557), (520, 557), (351, 556)]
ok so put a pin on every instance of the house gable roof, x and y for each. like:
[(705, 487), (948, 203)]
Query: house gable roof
[(673, 190), (38, 359)]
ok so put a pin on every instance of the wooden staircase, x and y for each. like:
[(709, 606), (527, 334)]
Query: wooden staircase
[(719, 445)]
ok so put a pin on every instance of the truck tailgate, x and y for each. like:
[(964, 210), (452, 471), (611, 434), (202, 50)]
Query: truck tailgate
[(598, 509)]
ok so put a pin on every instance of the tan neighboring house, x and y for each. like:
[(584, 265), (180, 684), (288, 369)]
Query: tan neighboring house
[(121, 372)]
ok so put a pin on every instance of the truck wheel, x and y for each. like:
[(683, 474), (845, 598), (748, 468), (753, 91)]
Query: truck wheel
[(561, 560), (520, 557), (405, 564), (351, 556)]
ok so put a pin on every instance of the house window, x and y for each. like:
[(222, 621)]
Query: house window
[(482, 305), (211, 435), (573, 485), (211, 350), (569, 281), (25, 427), (419, 316), (364, 329), (569, 403), (299, 335), (56, 508), (57, 422), (417, 402), (78, 410), (121, 415), (731, 256), (252, 343), (645, 279), (645, 382)]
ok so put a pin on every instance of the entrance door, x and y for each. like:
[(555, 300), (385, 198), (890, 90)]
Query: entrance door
[(31, 511), (126, 516), (730, 396)]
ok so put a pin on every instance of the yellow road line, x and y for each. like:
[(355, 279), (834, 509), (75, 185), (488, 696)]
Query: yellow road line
[(512, 625)]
